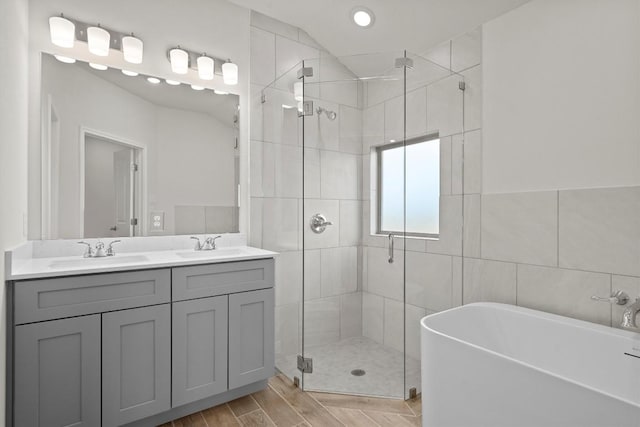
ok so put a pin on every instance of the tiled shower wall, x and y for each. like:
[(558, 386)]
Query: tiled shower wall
[(332, 186), (433, 267)]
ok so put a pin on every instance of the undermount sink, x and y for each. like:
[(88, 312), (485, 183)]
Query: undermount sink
[(215, 253), (92, 262)]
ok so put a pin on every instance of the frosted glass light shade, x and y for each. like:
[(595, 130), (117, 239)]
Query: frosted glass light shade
[(63, 31), (132, 49), (230, 73), (99, 40), (297, 91), (179, 61), (205, 67)]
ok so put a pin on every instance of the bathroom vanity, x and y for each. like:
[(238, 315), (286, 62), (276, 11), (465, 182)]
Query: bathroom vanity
[(137, 340)]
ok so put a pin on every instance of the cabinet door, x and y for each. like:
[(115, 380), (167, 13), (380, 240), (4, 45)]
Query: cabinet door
[(57, 373), (136, 364), (251, 337), (199, 349)]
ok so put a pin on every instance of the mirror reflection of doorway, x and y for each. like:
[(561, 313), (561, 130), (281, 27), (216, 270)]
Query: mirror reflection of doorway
[(111, 171)]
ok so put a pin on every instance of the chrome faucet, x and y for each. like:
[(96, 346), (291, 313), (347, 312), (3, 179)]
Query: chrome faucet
[(100, 250), (630, 315), (208, 245)]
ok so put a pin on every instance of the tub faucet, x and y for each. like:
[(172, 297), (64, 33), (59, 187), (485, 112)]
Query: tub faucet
[(630, 314)]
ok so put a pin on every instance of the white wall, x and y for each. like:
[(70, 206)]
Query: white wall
[(13, 144), (213, 26), (561, 102), (194, 163)]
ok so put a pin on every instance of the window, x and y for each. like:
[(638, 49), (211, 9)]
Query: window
[(420, 198)]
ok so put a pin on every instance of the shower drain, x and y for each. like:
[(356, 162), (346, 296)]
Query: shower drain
[(358, 372)]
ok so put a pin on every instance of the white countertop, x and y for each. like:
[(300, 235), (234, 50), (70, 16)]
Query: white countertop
[(42, 267)]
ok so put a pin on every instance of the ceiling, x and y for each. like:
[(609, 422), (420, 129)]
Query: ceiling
[(414, 25)]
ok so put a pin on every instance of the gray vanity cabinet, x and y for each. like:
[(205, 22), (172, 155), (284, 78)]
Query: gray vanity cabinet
[(138, 347), (199, 349), (58, 367), (251, 337), (136, 364)]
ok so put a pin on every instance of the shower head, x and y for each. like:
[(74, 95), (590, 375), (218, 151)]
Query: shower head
[(331, 115)]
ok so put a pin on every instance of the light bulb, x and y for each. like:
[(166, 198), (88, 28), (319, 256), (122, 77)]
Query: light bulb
[(172, 82), (132, 49), (129, 73), (153, 80), (220, 92), (65, 59), (62, 31), (99, 40), (98, 67), (179, 61), (230, 73), (196, 87), (205, 67)]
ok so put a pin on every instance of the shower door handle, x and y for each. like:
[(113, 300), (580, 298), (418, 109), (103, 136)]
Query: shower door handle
[(390, 248)]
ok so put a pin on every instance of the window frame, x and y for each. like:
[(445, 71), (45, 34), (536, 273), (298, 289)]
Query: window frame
[(379, 174)]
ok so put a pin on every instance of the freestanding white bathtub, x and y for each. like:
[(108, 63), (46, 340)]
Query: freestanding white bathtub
[(495, 365)]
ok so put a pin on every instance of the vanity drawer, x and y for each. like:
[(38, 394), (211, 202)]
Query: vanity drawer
[(202, 281), (46, 299)]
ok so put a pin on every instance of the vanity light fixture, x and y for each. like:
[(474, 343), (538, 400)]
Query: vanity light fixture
[(153, 80), (230, 73), (99, 67), (363, 17), (132, 49), (196, 87), (129, 73), (172, 82), (99, 40), (206, 67), (62, 31), (65, 59), (179, 60)]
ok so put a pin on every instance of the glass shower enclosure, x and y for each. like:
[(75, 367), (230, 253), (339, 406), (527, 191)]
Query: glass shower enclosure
[(360, 161)]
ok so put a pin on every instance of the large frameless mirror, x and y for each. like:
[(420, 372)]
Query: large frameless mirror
[(132, 155)]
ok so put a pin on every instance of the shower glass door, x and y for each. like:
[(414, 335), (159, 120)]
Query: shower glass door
[(353, 317), (433, 194)]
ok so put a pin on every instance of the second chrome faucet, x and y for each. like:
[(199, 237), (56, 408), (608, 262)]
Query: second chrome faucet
[(209, 243)]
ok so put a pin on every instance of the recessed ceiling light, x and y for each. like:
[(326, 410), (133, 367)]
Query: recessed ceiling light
[(172, 82), (129, 73), (363, 17), (98, 67), (153, 80), (65, 59), (196, 87)]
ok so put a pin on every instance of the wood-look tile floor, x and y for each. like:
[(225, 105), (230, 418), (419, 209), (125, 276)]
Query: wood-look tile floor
[(284, 405)]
